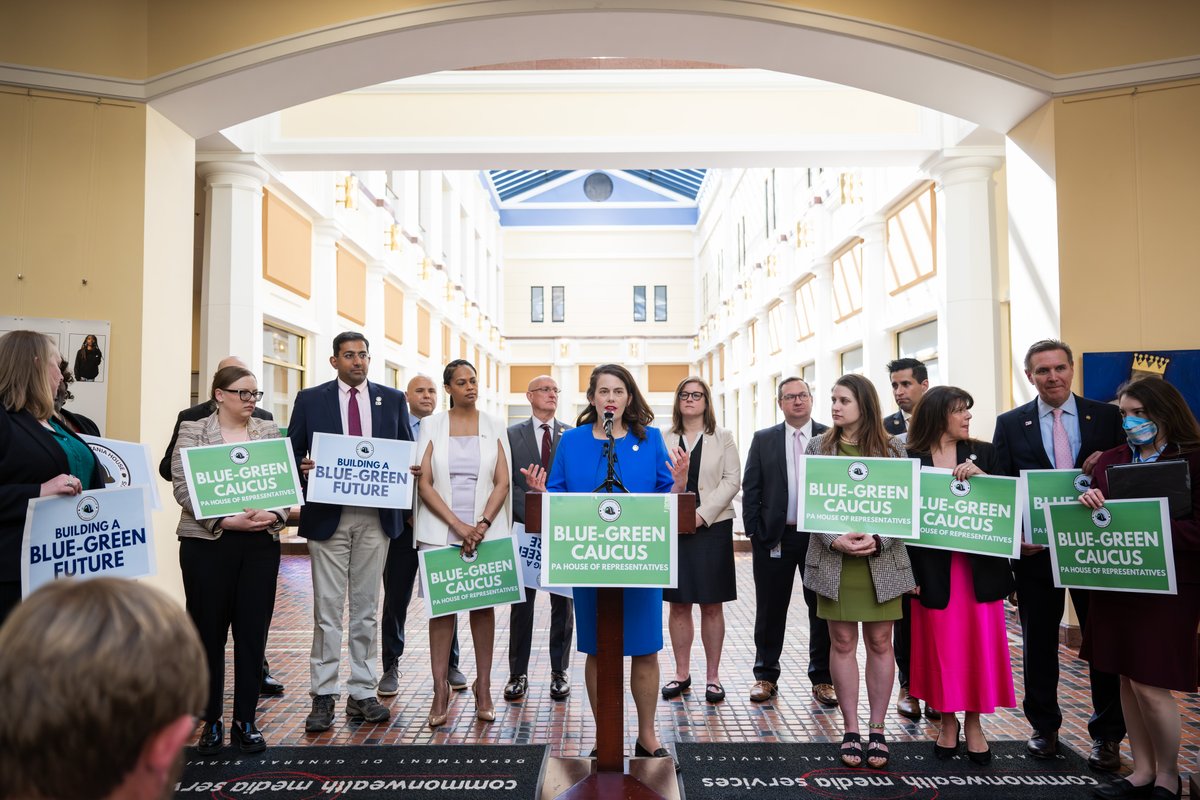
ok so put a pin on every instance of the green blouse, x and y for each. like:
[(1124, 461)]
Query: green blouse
[(80, 461)]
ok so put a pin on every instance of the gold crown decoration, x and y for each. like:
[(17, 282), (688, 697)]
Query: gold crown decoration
[(1149, 363)]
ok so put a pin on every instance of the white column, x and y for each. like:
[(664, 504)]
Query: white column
[(326, 234), (877, 349), (969, 346), (826, 363), (762, 370), (231, 285), (376, 315)]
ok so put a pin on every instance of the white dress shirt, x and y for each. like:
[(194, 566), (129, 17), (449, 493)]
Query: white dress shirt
[(805, 432)]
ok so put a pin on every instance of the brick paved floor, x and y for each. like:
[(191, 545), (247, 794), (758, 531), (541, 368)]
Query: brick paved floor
[(567, 726)]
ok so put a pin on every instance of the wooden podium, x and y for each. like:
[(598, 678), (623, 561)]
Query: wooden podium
[(609, 780)]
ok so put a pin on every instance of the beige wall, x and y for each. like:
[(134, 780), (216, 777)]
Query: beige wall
[(1128, 174), (141, 38), (581, 260), (96, 205)]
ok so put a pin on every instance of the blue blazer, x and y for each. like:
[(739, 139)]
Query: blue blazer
[(317, 411), (1018, 436)]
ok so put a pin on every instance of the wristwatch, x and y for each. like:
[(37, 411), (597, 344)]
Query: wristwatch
[(485, 521)]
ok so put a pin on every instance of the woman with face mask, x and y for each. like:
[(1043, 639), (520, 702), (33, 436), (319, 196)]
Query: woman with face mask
[(1150, 639)]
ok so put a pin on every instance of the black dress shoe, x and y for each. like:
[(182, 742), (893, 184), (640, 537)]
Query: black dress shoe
[(560, 686), (1105, 756), (1121, 789), (516, 687), (212, 738), (247, 737), (662, 752), (1043, 744), (674, 688), (270, 686)]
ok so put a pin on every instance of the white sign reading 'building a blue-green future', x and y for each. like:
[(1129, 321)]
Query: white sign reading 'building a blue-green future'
[(1123, 546), (226, 479), (356, 471), (844, 494), (625, 540), (977, 516), (489, 577), (103, 532), (1039, 488)]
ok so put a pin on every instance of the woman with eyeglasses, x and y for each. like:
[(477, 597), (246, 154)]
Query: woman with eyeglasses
[(229, 565), (706, 569)]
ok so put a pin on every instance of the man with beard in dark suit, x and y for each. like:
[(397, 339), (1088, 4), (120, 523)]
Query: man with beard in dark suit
[(769, 512), (1057, 430)]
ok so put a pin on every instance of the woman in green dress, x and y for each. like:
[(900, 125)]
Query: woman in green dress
[(859, 577)]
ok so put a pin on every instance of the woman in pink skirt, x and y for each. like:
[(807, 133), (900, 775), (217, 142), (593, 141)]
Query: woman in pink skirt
[(960, 659)]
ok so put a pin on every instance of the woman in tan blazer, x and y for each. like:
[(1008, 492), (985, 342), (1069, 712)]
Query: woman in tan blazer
[(229, 565), (706, 573)]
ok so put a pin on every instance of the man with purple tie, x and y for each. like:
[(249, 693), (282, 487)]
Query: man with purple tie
[(347, 545), (1057, 430)]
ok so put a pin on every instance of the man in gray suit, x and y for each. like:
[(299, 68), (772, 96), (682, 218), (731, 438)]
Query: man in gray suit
[(533, 441)]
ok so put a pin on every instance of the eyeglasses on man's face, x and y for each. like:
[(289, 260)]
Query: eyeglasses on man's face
[(245, 395), (547, 390), (791, 398), (691, 395)]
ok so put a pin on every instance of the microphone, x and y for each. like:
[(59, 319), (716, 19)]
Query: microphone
[(608, 423)]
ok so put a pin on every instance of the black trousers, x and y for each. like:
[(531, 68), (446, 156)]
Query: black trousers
[(230, 582), (902, 639), (399, 577), (773, 582), (520, 632), (1041, 606), (10, 597)]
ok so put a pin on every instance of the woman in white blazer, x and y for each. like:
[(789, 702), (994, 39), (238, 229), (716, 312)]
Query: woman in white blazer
[(463, 493), (706, 570)]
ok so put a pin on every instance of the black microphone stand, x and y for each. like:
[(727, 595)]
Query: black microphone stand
[(612, 484)]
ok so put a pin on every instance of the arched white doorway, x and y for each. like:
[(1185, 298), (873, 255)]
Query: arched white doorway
[(993, 92)]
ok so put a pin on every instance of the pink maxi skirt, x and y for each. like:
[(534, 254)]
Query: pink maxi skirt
[(960, 659)]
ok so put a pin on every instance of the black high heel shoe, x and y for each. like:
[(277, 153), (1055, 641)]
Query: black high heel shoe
[(1123, 789), (212, 738), (247, 737), (944, 753)]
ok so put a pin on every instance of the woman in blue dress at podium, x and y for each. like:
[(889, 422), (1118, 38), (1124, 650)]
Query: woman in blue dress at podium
[(643, 465)]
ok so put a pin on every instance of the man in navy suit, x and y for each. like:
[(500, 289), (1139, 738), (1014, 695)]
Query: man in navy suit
[(347, 545), (910, 381), (778, 549), (1057, 430)]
